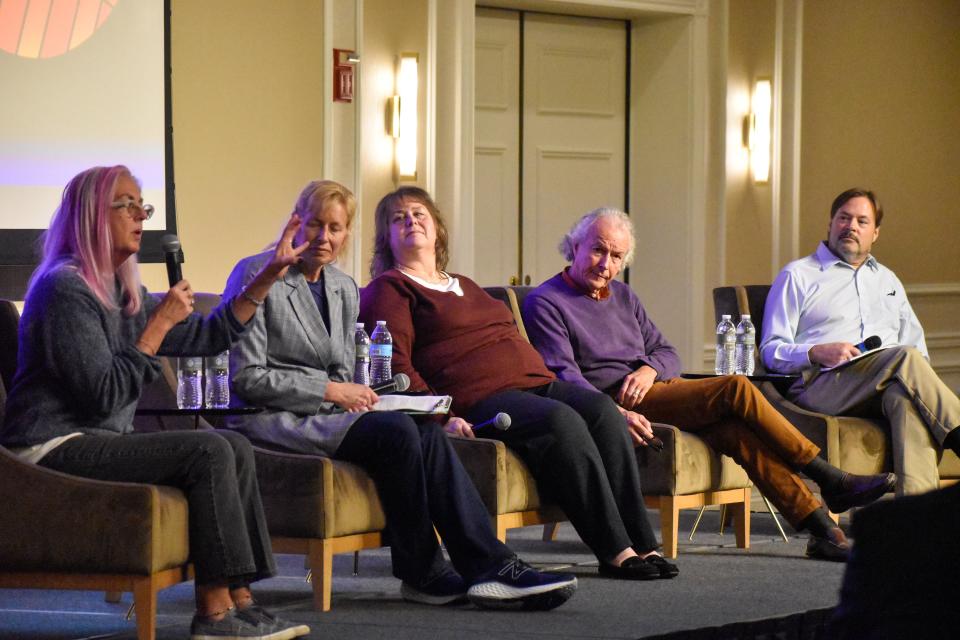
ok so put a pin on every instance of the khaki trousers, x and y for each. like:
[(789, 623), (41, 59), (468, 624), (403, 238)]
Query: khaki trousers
[(900, 385), (734, 418)]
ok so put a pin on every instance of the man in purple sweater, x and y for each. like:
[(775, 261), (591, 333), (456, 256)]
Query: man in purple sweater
[(632, 361)]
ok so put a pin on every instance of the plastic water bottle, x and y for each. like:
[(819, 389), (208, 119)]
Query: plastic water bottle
[(189, 382), (217, 392), (361, 367), (726, 344), (746, 345), (381, 352)]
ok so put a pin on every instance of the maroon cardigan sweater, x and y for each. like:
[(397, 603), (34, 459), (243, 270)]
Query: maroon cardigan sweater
[(466, 347)]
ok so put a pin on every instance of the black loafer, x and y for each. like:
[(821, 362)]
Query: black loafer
[(633, 568), (833, 547), (667, 569), (857, 491)]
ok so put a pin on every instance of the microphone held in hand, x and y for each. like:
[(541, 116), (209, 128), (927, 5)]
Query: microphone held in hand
[(173, 257), (397, 384), (655, 443), (871, 343), (501, 422)]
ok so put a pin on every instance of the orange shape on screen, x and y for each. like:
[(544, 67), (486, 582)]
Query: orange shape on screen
[(49, 28)]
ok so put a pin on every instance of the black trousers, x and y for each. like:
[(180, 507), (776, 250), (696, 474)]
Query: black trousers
[(576, 444), (215, 469), (422, 484)]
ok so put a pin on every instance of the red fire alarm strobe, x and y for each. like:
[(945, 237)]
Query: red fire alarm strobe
[(342, 75)]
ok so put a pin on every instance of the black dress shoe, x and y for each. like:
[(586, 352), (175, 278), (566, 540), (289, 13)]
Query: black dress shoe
[(667, 569), (856, 491), (833, 547), (633, 568)]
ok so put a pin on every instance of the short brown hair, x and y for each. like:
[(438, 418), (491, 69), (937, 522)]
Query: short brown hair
[(858, 192), (383, 258)]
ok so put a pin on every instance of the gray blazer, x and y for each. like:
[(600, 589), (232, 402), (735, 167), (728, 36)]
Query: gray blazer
[(287, 357)]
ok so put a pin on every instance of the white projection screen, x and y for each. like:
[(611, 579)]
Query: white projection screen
[(83, 83)]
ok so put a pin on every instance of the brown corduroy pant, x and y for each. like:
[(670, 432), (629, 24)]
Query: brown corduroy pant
[(734, 418)]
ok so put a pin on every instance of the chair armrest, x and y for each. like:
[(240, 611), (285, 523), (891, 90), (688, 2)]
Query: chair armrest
[(311, 496), (485, 463), (52, 521)]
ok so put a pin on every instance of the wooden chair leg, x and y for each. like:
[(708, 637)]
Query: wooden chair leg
[(145, 604), (501, 529), (669, 523), (321, 566), (741, 520), (113, 597), (550, 531)]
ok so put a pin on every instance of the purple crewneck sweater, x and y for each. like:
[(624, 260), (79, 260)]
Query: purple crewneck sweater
[(595, 343)]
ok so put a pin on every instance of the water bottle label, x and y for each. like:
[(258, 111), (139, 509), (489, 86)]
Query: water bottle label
[(724, 339), (381, 350), (191, 365), (363, 351), (748, 338)]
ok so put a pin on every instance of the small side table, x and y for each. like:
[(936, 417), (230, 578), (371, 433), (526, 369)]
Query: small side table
[(196, 413)]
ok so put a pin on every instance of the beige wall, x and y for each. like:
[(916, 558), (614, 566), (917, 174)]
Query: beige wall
[(247, 121), (881, 93), (749, 205)]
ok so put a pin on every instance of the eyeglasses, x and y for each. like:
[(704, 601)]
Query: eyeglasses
[(133, 208)]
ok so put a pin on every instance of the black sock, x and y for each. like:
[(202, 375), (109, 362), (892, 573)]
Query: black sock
[(827, 476), (818, 523), (952, 441)]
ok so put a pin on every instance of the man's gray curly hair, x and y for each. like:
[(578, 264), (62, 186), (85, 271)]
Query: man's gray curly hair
[(579, 231)]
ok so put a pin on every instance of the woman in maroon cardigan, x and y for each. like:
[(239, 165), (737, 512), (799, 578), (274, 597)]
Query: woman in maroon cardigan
[(452, 338)]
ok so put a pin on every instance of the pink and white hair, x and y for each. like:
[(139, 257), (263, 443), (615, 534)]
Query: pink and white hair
[(79, 238)]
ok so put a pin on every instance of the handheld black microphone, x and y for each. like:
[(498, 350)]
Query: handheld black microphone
[(869, 344), (655, 443), (398, 383), (174, 256), (501, 421)]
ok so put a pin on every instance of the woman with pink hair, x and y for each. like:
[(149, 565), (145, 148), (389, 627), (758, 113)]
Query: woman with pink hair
[(89, 339)]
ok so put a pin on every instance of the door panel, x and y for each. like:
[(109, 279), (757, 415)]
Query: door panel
[(571, 155), (497, 148), (574, 119)]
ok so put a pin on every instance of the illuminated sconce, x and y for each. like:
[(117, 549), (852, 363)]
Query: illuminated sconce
[(757, 130), (402, 118)]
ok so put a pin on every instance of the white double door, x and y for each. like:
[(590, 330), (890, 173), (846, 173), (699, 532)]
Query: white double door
[(551, 136)]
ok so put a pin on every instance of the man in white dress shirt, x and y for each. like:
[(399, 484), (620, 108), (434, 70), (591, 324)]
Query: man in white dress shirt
[(819, 312)]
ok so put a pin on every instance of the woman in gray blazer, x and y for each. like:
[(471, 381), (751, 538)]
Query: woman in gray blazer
[(296, 360)]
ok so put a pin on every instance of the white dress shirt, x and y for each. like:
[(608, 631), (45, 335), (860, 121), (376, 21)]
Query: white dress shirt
[(821, 299)]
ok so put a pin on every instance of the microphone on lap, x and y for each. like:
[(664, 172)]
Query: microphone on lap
[(173, 257), (869, 344), (397, 384), (501, 422)]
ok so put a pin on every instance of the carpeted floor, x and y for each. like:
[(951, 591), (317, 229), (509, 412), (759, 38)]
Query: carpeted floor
[(718, 585)]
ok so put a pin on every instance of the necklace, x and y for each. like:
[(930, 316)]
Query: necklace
[(440, 278)]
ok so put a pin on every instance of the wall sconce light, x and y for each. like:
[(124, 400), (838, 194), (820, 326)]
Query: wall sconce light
[(402, 115), (757, 130)]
